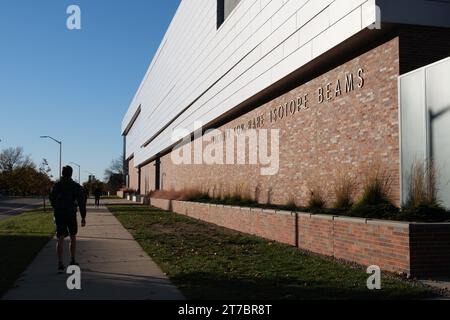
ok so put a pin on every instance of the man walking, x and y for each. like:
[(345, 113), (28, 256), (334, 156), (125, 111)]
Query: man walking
[(97, 195), (65, 197)]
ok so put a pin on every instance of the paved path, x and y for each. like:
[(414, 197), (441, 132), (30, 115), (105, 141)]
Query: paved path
[(14, 206), (113, 265)]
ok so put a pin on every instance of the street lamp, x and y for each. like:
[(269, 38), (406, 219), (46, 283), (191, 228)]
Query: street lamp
[(79, 170), (60, 151)]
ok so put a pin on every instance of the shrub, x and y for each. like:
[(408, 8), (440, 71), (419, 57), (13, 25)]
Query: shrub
[(182, 195), (194, 195), (239, 196), (344, 190), (424, 213)]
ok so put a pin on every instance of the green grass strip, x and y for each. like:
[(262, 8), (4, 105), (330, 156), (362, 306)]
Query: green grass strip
[(21, 239), (209, 262)]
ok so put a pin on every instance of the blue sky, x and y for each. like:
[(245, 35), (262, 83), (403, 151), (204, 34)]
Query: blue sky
[(74, 85)]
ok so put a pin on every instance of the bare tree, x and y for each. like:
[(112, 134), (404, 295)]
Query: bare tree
[(114, 175), (13, 158), (116, 167)]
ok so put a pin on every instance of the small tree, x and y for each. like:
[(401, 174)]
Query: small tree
[(45, 181), (16, 172)]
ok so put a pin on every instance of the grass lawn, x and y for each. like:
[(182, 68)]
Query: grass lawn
[(210, 262), (21, 239), (110, 197)]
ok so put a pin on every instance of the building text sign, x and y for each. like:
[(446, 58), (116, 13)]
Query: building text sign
[(328, 92)]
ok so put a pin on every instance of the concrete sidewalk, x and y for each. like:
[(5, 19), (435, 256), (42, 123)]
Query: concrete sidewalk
[(113, 266)]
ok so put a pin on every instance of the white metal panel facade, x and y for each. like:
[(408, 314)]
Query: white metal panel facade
[(425, 124), (212, 70)]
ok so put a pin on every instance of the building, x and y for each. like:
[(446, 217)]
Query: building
[(425, 123), (325, 73)]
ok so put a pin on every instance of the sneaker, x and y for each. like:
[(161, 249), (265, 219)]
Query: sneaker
[(61, 268)]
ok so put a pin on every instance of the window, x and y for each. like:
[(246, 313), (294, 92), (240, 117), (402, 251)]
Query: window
[(224, 8)]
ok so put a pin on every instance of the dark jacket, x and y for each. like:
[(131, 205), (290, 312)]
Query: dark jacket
[(66, 196), (97, 193)]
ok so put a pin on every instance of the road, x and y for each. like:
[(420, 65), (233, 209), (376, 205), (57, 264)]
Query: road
[(14, 206)]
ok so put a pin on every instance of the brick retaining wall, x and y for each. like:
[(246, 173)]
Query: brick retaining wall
[(430, 248), (400, 247)]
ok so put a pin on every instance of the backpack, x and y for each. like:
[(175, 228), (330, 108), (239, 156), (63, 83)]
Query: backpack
[(65, 196)]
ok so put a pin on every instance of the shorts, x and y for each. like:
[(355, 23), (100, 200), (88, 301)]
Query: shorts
[(66, 225)]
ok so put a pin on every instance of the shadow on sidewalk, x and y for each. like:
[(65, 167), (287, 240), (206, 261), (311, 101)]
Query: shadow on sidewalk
[(16, 253)]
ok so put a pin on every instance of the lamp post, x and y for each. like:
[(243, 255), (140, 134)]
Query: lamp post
[(60, 151), (79, 171)]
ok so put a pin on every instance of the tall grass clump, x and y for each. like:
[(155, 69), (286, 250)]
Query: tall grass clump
[(422, 182), (375, 201), (239, 196), (165, 194), (191, 194), (291, 205), (316, 200), (423, 202), (344, 190), (195, 195)]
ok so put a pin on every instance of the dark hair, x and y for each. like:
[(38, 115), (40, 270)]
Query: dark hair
[(67, 172)]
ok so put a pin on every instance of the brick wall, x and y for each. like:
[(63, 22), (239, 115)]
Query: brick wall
[(381, 243), (399, 247), (265, 224), (316, 234), (162, 204), (345, 135), (147, 178), (133, 175)]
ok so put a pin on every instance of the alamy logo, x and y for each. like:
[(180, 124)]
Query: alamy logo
[(259, 147), (74, 20), (74, 280), (374, 281)]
